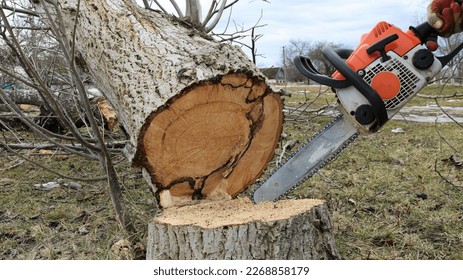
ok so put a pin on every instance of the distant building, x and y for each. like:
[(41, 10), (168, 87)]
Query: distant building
[(275, 75)]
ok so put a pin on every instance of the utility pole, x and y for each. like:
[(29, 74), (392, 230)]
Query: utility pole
[(285, 67)]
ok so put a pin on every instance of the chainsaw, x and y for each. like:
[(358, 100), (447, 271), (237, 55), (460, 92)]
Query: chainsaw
[(372, 83)]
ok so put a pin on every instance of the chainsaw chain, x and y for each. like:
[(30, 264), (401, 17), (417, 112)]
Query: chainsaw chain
[(317, 168)]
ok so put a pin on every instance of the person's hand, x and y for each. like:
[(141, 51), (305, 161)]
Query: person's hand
[(445, 16)]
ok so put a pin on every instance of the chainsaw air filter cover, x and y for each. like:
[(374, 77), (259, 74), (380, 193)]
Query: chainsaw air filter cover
[(394, 81), (386, 84)]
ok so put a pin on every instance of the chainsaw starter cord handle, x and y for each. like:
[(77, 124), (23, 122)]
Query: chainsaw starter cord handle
[(379, 109), (380, 46)]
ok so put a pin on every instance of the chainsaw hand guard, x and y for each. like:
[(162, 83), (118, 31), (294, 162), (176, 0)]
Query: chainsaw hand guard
[(306, 67)]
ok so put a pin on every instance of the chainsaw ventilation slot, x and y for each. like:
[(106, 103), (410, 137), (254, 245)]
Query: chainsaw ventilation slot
[(381, 28), (408, 80)]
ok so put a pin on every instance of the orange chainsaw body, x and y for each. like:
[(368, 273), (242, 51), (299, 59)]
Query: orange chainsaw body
[(386, 84)]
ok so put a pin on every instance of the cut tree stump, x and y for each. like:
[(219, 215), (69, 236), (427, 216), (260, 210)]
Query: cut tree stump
[(202, 120), (238, 229)]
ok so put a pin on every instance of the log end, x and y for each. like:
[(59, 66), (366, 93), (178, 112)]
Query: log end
[(213, 140)]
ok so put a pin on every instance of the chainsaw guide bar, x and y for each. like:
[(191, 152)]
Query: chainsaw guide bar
[(317, 152)]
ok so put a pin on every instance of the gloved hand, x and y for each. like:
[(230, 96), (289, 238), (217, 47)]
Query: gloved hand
[(446, 16)]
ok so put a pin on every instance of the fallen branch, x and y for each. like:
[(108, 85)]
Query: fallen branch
[(288, 146), (455, 95), (103, 178), (447, 114), (13, 165), (32, 146), (445, 178)]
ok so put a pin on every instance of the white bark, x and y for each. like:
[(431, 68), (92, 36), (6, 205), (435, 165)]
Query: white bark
[(193, 11)]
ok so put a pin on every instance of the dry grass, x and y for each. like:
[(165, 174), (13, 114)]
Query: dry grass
[(66, 223), (386, 198)]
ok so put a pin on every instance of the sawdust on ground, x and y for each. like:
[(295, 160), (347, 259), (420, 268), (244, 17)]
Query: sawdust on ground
[(214, 214)]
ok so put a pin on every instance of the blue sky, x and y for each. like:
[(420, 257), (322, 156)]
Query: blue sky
[(338, 21)]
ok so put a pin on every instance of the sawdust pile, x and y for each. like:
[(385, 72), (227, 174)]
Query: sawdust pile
[(234, 212)]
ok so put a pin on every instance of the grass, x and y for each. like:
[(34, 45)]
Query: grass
[(386, 198), (66, 223)]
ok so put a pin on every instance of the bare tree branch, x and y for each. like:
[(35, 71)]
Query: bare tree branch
[(443, 177), (193, 11), (177, 8), (19, 10), (213, 10), (53, 105), (105, 159), (37, 129), (210, 13), (49, 169), (211, 26)]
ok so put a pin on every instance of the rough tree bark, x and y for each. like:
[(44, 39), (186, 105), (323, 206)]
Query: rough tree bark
[(201, 118), (296, 229)]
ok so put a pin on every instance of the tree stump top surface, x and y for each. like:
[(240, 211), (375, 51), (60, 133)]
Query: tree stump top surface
[(214, 214)]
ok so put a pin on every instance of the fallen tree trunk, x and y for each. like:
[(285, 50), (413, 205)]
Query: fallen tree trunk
[(20, 96), (103, 113), (238, 229), (201, 118)]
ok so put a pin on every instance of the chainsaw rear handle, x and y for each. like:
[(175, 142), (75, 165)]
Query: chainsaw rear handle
[(426, 32)]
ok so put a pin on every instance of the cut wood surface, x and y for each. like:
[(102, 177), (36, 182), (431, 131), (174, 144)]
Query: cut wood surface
[(214, 140), (239, 229), (202, 120)]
